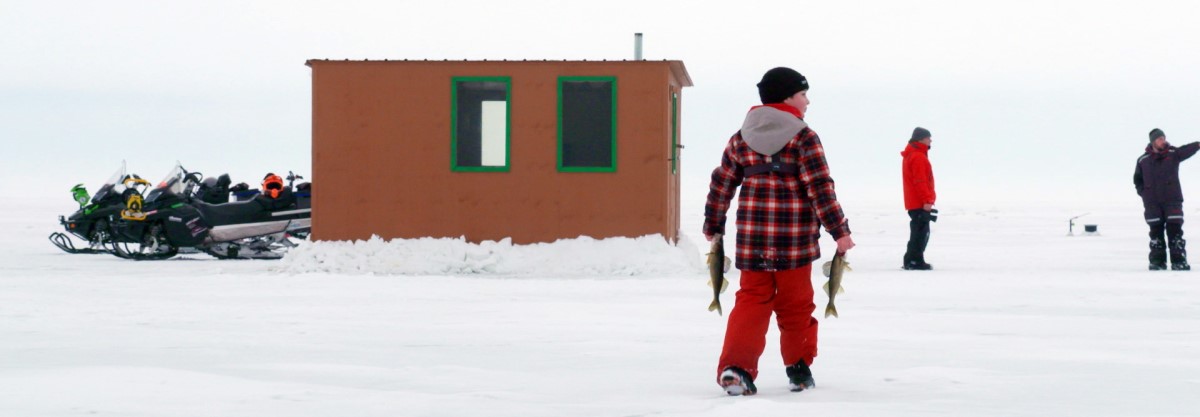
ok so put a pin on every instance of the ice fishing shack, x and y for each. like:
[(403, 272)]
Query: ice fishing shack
[(532, 150)]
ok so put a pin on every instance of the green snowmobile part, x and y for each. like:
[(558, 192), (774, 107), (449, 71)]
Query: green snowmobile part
[(80, 194)]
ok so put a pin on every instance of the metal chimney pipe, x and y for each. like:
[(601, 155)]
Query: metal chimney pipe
[(637, 46)]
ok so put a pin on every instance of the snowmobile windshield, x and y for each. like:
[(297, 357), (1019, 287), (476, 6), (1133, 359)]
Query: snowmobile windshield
[(113, 182), (172, 184)]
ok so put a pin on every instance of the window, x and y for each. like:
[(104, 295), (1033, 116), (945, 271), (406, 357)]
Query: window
[(479, 124), (674, 133), (587, 124)]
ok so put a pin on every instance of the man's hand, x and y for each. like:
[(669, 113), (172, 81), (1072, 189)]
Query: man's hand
[(928, 207), (845, 244)]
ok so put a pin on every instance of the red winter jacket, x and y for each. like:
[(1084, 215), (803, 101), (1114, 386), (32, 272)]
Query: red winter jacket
[(918, 176)]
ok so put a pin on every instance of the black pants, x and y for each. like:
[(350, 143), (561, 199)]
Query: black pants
[(1166, 219), (918, 236)]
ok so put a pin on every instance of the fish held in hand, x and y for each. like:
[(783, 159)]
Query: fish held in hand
[(718, 265), (834, 270)]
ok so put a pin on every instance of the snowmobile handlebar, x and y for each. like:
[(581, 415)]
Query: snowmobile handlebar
[(292, 177), (193, 177), (134, 181)]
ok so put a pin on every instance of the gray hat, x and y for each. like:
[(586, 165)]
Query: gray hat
[(919, 133), (1156, 133)]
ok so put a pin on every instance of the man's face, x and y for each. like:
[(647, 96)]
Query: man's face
[(1160, 143), (799, 101), (927, 141)]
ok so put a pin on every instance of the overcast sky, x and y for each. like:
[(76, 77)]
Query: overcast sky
[(1037, 100)]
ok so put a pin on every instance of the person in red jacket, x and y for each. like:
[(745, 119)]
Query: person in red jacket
[(786, 196), (919, 197)]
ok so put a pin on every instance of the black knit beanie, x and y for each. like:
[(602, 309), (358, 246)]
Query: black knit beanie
[(1156, 133), (779, 84), (919, 133)]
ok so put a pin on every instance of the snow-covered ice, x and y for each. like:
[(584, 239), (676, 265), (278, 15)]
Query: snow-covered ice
[(1018, 319)]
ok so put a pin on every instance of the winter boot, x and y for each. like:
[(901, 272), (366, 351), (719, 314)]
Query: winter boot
[(800, 377), (917, 266), (925, 266), (735, 381), (1158, 255), (1179, 255)]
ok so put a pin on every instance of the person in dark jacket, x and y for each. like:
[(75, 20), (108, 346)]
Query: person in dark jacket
[(1156, 178), (787, 194), (919, 196)]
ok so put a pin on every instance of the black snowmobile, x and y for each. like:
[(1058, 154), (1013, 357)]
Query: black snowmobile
[(95, 215), (172, 217)]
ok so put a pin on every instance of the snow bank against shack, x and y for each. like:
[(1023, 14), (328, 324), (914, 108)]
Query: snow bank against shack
[(649, 255)]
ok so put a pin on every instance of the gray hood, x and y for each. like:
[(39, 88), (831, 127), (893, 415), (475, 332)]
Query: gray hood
[(767, 129)]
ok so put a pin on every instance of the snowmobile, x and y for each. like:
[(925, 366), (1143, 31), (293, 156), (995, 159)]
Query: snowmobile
[(93, 219), (171, 218)]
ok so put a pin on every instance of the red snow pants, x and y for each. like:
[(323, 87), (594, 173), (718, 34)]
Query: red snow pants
[(788, 294)]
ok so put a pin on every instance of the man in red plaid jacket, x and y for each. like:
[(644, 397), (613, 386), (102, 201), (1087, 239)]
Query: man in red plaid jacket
[(786, 191)]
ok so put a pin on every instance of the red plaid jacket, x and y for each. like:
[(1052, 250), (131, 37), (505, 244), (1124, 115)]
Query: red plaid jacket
[(778, 214)]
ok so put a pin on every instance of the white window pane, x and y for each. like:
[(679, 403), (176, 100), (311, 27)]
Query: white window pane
[(494, 128)]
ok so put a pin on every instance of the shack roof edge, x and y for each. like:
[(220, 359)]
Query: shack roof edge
[(677, 66)]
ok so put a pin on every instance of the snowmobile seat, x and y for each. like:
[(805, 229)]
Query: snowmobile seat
[(229, 213), (286, 198), (242, 192)]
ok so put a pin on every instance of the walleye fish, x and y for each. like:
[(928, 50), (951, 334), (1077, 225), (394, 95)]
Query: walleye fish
[(718, 264), (834, 270)]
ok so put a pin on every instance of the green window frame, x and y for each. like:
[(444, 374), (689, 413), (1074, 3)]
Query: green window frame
[(585, 112), (473, 134), (674, 132)]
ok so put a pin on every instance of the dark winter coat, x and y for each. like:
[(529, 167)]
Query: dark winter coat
[(778, 215), (918, 176), (1157, 174)]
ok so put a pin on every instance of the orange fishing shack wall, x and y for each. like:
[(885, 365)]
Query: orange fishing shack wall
[(382, 152)]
